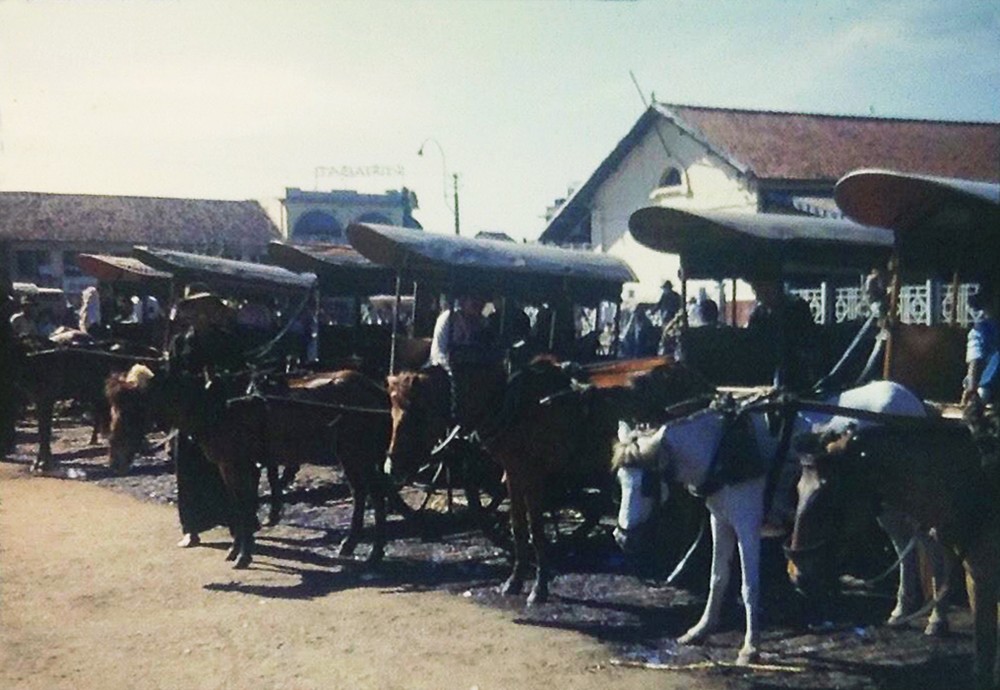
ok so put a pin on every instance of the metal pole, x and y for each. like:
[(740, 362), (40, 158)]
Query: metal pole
[(454, 180)]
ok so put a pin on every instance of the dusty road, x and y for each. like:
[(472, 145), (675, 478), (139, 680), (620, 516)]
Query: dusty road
[(93, 595)]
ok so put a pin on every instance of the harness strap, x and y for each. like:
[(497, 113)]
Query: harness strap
[(309, 403)]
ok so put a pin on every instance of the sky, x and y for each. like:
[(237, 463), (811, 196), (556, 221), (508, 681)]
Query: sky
[(239, 99)]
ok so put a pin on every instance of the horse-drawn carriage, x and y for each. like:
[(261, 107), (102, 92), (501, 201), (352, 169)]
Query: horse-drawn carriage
[(564, 290)]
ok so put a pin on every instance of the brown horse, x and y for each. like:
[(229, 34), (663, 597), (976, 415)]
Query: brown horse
[(549, 435), (324, 418), (48, 372), (934, 474)]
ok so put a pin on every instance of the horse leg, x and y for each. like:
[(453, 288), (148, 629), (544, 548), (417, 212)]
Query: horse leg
[(723, 547), (375, 490), (941, 566), (540, 591), (277, 485), (357, 513), (44, 409), (748, 538), (242, 489), (900, 531), (519, 528), (983, 585)]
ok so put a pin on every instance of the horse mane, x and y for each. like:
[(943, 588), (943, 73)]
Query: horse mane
[(628, 452)]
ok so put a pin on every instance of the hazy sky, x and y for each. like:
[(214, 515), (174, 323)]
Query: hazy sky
[(240, 99)]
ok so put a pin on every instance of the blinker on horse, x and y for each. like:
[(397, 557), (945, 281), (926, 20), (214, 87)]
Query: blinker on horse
[(685, 450)]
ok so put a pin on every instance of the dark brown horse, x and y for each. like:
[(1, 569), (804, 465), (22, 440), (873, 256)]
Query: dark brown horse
[(49, 372), (321, 419), (549, 435), (934, 474)]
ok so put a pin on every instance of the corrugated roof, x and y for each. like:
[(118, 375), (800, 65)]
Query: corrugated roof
[(202, 223)]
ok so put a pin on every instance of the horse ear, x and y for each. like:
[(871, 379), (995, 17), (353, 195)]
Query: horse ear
[(624, 432), (392, 381)]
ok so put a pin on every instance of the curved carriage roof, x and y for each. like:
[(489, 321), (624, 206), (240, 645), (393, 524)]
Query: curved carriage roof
[(225, 274), (941, 224), (734, 244), (113, 269), (511, 268), (341, 270)]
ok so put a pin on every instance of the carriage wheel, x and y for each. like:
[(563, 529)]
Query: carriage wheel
[(486, 495)]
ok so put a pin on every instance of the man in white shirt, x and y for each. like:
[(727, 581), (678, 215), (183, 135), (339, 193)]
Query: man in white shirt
[(456, 329)]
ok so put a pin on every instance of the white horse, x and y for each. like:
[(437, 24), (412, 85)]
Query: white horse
[(683, 451)]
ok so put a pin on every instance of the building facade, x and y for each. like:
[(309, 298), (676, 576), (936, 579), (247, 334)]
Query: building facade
[(698, 158), (323, 217)]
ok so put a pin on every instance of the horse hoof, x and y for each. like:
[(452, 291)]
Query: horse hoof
[(375, 557), (243, 562), (538, 596), (511, 587), (692, 637), (936, 629), (189, 540), (347, 549), (232, 554), (746, 657)]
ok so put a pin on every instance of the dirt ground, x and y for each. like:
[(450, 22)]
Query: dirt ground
[(93, 593)]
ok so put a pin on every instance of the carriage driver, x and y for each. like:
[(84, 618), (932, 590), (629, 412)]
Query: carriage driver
[(206, 343), (460, 335)]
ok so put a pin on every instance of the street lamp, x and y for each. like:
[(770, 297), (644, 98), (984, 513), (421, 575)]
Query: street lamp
[(444, 179)]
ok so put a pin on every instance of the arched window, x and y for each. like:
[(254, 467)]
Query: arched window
[(317, 226)]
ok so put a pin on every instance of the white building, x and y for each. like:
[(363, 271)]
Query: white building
[(713, 158)]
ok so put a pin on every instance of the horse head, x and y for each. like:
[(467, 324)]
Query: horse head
[(128, 399), (635, 462), (830, 510), (420, 405)]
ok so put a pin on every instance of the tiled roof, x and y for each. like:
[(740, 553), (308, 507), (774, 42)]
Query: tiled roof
[(803, 147), (798, 146), (192, 223)]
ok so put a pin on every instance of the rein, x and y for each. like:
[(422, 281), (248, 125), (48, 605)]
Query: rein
[(258, 353), (138, 359), (339, 407)]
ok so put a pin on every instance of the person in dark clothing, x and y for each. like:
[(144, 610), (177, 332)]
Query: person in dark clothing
[(9, 355), (205, 346), (669, 303), (785, 323)]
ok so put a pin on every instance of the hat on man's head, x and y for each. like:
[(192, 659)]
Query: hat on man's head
[(204, 306)]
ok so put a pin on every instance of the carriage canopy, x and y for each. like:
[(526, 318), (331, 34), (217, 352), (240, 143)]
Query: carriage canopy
[(114, 269), (226, 274), (510, 268), (734, 244), (341, 270), (941, 224)]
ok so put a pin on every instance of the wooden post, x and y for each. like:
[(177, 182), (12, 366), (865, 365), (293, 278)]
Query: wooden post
[(890, 317), (732, 304), (395, 320), (684, 297), (954, 300)]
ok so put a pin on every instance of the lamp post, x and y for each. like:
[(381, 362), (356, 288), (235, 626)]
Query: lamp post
[(444, 180)]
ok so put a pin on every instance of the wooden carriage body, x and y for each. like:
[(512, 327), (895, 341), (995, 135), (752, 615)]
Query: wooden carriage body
[(943, 228), (733, 245)]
